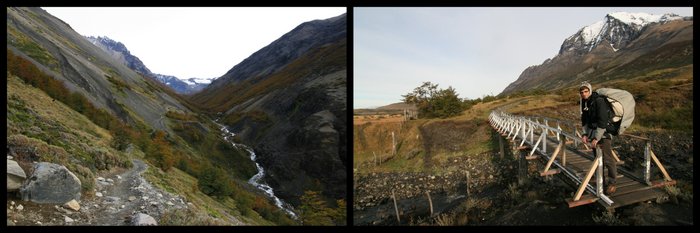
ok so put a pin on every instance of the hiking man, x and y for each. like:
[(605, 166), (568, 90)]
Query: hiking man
[(595, 116)]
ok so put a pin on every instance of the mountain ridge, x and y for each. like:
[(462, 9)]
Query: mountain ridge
[(120, 52), (611, 52)]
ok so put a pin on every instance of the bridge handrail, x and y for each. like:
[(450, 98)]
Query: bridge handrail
[(517, 126)]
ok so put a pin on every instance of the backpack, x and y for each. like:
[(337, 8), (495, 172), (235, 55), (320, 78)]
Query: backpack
[(621, 105)]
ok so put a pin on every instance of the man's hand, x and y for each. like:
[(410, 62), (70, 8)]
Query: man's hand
[(594, 142), (585, 139)]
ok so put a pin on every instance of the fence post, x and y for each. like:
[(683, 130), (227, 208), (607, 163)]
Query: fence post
[(430, 201), (647, 162), (393, 144), (396, 208), (500, 146), (599, 171), (467, 184)]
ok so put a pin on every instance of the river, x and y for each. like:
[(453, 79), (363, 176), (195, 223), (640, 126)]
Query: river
[(256, 180)]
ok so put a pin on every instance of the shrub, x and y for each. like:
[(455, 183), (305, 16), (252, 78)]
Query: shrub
[(432, 102)]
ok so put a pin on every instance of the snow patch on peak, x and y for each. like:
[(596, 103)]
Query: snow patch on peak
[(590, 32), (641, 19), (189, 82), (196, 81)]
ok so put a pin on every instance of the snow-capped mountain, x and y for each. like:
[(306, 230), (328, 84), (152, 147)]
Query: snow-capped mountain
[(118, 51), (183, 86), (617, 30), (620, 46)]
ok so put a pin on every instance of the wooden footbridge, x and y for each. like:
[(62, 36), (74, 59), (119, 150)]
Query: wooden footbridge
[(573, 160)]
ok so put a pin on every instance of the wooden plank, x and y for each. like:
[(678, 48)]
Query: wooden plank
[(585, 181), (636, 197), (661, 167), (550, 172), (554, 156), (629, 189), (532, 157), (588, 199), (577, 159), (658, 184), (618, 181), (617, 159), (582, 165)]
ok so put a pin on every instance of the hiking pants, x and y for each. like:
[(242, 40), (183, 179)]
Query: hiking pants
[(608, 160)]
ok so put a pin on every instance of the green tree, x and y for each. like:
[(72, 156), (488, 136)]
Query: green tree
[(433, 102), (213, 181)]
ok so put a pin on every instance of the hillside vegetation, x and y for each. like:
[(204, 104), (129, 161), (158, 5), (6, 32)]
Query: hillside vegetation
[(48, 123), (435, 156)]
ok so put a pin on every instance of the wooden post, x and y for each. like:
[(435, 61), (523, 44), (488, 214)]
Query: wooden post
[(522, 167), (500, 145), (430, 201), (396, 208), (375, 158), (563, 155), (647, 162), (393, 144), (467, 184)]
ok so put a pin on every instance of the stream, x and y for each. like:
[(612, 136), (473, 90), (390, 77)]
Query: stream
[(256, 180)]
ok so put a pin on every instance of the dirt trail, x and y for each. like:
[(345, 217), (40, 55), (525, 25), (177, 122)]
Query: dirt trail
[(116, 200), (110, 211)]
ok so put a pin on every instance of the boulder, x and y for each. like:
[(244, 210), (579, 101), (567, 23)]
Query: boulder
[(51, 183), (141, 219), (15, 176)]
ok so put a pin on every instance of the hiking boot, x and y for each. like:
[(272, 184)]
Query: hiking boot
[(610, 190)]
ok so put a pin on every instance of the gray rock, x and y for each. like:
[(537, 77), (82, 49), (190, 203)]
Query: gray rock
[(15, 176), (141, 219), (51, 183), (68, 219), (72, 205), (98, 194)]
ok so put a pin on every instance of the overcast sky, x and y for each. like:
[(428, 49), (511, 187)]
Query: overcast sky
[(202, 42), (476, 50)]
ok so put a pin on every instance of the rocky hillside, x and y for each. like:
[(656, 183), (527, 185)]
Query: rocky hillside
[(74, 106), (288, 100), (66, 55), (621, 46), (119, 52)]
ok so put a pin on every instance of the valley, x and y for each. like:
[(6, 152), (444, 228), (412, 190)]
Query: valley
[(136, 152)]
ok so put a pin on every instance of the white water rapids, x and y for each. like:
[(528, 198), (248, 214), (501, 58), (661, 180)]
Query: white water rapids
[(256, 180)]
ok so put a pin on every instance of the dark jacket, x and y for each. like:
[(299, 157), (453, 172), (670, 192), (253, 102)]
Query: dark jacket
[(595, 116)]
